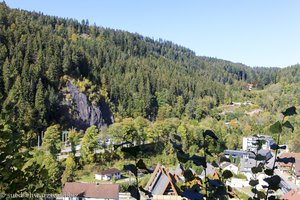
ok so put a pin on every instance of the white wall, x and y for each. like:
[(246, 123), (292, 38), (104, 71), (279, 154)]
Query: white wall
[(239, 183), (107, 178), (245, 145)]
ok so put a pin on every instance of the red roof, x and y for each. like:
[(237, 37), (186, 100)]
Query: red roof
[(291, 195), (287, 155), (91, 190)]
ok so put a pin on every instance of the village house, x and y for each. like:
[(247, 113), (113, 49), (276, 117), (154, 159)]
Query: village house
[(247, 154), (236, 153), (90, 191), (237, 183), (210, 172), (249, 143), (230, 166), (291, 168), (286, 168), (108, 174), (246, 165), (163, 183)]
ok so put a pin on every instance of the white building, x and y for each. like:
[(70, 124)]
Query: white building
[(230, 166), (108, 174), (249, 143)]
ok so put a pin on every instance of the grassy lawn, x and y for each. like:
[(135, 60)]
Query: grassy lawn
[(246, 189), (89, 178), (241, 195)]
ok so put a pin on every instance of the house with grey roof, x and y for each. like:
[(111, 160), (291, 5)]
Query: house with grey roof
[(236, 153), (210, 171), (246, 165), (247, 154), (163, 182)]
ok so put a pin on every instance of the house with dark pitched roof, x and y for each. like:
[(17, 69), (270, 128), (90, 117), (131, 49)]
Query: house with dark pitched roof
[(247, 154), (108, 174), (163, 182), (210, 172), (80, 191)]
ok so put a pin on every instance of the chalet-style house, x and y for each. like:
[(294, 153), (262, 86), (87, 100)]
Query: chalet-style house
[(163, 182), (90, 191), (210, 172), (108, 174)]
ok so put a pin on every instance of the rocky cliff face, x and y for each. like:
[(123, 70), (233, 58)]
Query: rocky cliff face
[(78, 111)]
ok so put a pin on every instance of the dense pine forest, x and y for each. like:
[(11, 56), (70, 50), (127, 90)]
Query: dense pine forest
[(138, 84)]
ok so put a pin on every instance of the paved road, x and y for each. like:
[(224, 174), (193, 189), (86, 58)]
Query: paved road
[(64, 156), (69, 149)]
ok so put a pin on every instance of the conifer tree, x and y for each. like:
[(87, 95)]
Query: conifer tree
[(88, 145), (51, 140), (6, 76), (39, 103), (68, 175)]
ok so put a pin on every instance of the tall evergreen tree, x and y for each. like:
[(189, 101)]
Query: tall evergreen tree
[(88, 145), (6, 76), (51, 141), (40, 104), (68, 175)]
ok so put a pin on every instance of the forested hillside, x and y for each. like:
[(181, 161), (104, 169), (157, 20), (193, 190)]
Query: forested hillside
[(134, 78), (138, 75)]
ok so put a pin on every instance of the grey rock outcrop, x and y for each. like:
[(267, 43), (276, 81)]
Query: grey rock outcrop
[(80, 113)]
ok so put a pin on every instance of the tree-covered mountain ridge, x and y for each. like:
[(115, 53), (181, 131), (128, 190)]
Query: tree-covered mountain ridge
[(60, 74), (135, 75)]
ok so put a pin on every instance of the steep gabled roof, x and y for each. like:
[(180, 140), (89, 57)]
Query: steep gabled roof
[(210, 171), (162, 182)]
